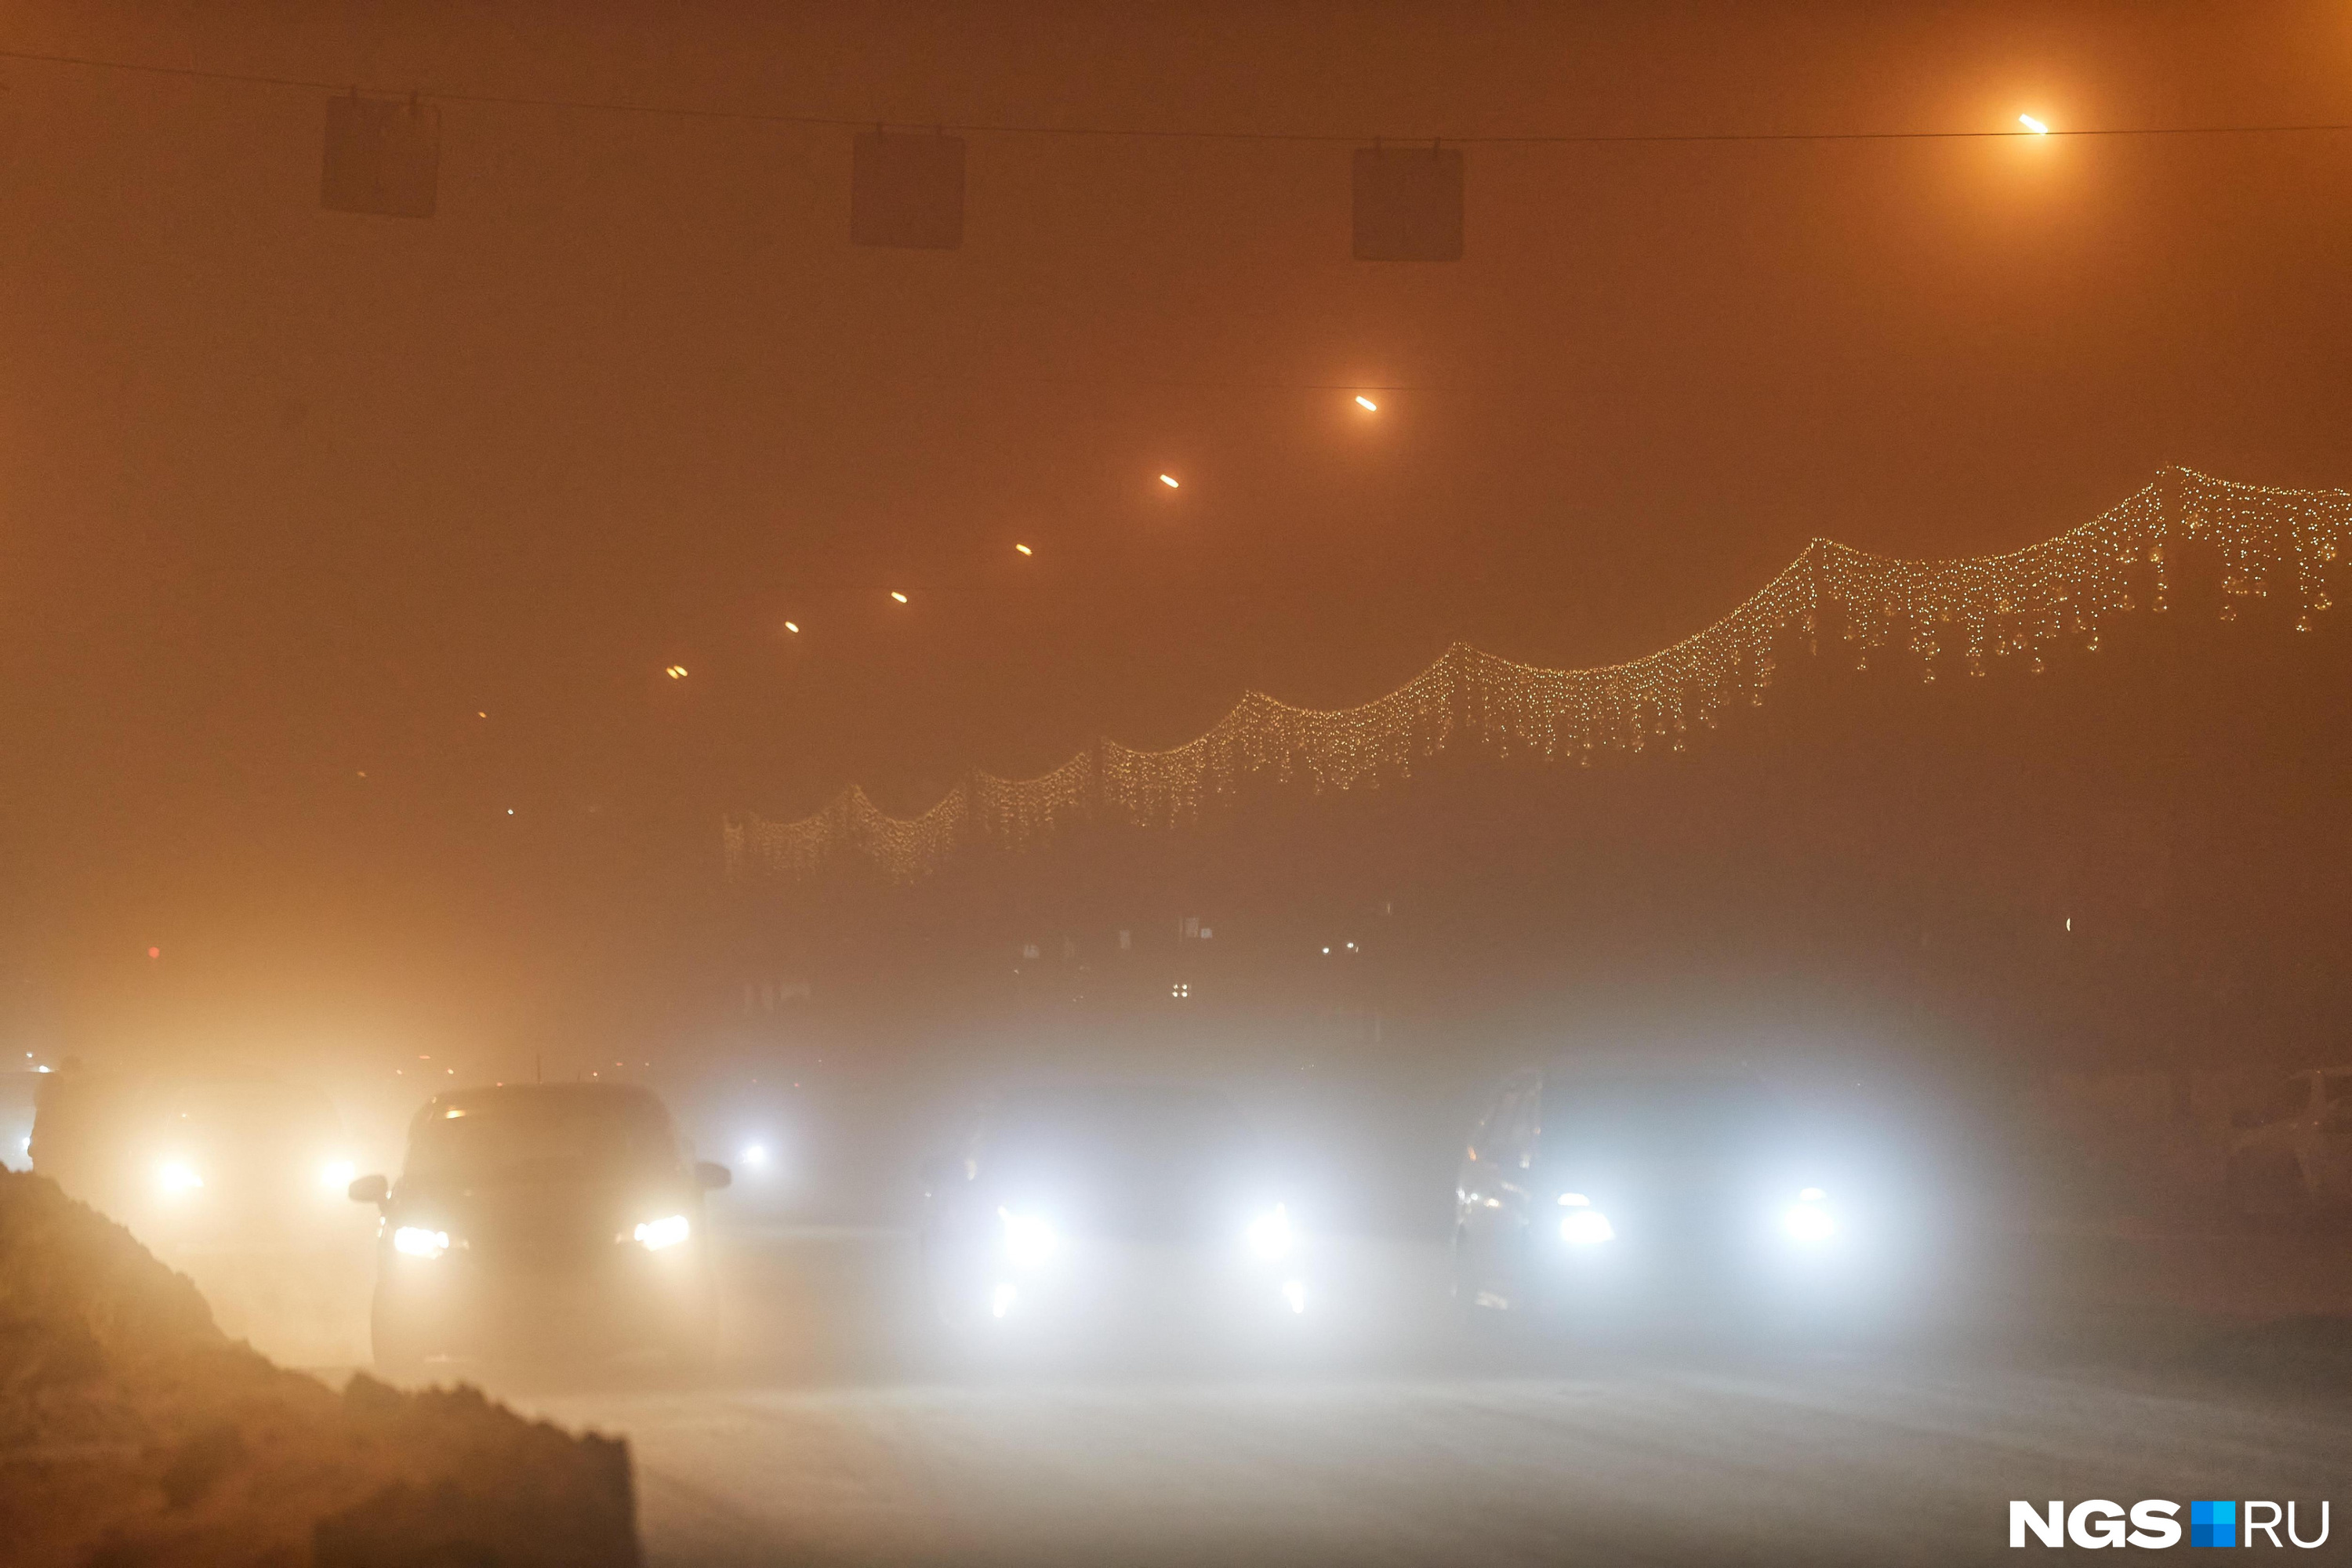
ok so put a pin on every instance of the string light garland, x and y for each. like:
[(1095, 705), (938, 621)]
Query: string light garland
[(2272, 542)]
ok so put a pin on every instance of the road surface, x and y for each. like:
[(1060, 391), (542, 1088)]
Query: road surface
[(838, 1431)]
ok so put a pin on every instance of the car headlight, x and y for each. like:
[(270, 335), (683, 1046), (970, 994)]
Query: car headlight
[(1028, 1240), (336, 1175), (415, 1241), (1269, 1234), (1583, 1224), (1808, 1219), (173, 1176), (667, 1231)]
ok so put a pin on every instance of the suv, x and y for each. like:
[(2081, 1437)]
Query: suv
[(559, 1216), (1588, 1194), (2292, 1150)]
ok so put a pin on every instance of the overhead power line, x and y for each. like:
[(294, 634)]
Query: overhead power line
[(1011, 128)]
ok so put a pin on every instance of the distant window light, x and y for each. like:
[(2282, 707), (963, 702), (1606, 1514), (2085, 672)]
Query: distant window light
[(1192, 926), (1028, 950), (1126, 940), (1181, 991)]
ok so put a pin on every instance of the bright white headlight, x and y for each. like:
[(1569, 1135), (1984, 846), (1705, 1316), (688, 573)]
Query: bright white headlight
[(1807, 1219), (1269, 1234), (415, 1241), (1028, 1240), (175, 1177), (657, 1234), (336, 1175), (1585, 1225)]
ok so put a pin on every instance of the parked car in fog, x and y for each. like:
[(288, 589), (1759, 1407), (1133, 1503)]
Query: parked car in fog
[(1109, 1207), (2292, 1149), (1589, 1195), (543, 1218)]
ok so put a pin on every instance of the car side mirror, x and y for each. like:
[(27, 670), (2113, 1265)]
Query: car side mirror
[(710, 1177), (369, 1190), (2243, 1119), (939, 1171)]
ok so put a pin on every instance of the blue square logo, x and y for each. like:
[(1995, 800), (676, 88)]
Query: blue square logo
[(2213, 1524)]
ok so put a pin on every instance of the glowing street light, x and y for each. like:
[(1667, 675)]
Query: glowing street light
[(1168, 481), (2033, 125), (1367, 405), (898, 595), (792, 626), (675, 672), (1024, 550)]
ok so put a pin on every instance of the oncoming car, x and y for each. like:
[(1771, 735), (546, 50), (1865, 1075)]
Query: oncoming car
[(1111, 1208), (199, 1166), (547, 1218), (1591, 1197)]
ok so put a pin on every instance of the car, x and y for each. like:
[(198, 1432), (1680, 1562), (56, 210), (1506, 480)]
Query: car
[(1615, 1196), (1114, 1209), (197, 1165), (543, 1219), (2291, 1153)]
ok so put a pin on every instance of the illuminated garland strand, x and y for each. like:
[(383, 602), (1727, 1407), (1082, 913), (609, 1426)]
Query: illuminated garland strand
[(1975, 607)]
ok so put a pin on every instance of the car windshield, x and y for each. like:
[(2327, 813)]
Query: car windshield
[(540, 1136), (1664, 1115), (249, 1112), (249, 1116), (1119, 1133)]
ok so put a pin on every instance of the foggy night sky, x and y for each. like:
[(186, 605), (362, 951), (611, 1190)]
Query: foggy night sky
[(288, 495)]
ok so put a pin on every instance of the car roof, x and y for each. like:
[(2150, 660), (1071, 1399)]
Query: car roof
[(552, 1094)]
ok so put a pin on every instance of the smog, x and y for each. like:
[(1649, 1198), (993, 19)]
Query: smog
[(975, 784)]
